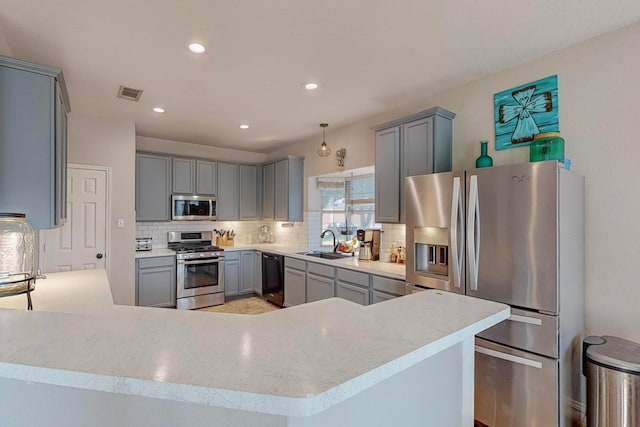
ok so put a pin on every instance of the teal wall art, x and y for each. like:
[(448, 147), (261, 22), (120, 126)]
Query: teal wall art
[(525, 111)]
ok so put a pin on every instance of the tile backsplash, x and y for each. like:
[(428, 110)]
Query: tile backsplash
[(293, 234), (393, 233), (296, 234)]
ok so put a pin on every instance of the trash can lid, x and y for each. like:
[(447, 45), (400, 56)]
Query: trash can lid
[(616, 353)]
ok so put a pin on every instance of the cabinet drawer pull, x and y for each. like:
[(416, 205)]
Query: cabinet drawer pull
[(509, 357)]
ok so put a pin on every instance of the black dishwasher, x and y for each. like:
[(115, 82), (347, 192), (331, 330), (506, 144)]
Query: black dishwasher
[(273, 278)]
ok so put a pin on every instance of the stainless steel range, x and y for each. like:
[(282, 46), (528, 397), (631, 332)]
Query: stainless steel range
[(200, 269)]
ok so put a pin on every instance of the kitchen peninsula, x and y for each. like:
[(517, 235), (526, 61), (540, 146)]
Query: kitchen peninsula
[(80, 360)]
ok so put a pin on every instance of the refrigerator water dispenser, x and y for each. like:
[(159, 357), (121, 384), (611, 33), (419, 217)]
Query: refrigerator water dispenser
[(431, 250)]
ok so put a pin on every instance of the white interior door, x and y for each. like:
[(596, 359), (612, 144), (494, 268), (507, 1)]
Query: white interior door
[(81, 243)]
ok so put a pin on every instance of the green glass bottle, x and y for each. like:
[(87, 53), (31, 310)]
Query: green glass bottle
[(484, 161)]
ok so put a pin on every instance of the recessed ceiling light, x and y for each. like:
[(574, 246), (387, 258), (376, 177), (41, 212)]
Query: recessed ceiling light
[(310, 85), (244, 126), (196, 47), (158, 109)]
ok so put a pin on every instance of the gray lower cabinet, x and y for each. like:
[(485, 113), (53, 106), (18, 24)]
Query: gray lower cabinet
[(320, 281), (415, 145), (242, 272), (312, 281), (285, 196), (227, 191), (153, 187), (352, 293), (384, 288), (206, 178), (257, 284), (295, 282), (33, 142), (231, 273), (250, 271), (319, 288), (248, 195), (156, 281), (184, 172), (377, 296), (352, 286)]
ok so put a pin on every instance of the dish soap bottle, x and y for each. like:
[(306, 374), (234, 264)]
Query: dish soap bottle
[(484, 161)]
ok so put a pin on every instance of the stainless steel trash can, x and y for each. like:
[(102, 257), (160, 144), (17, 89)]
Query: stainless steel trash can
[(612, 368)]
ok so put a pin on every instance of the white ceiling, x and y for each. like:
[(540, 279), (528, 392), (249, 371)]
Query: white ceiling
[(367, 55)]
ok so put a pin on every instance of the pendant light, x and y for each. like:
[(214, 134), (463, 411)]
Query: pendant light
[(323, 151)]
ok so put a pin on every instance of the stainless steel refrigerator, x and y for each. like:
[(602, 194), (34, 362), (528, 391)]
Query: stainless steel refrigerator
[(512, 234)]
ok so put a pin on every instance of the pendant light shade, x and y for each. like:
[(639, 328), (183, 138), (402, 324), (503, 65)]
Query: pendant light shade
[(324, 150)]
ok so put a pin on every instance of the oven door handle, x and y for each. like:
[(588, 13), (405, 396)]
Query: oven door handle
[(200, 261)]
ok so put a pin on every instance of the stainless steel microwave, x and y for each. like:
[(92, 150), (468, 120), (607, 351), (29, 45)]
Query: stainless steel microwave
[(193, 208)]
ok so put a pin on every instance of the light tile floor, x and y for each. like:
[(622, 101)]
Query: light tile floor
[(251, 305)]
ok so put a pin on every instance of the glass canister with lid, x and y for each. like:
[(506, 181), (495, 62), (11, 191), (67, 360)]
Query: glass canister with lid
[(546, 146), (17, 269)]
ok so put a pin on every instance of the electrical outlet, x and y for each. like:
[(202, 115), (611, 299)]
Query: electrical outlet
[(120, 222)]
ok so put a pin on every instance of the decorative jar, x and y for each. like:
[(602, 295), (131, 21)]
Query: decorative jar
[(17, 269), (546, 146)]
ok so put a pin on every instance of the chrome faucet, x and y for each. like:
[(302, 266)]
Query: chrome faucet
[(335, 245)]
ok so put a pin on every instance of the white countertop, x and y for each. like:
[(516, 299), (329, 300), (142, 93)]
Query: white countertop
[(387, 269), (296, 361)]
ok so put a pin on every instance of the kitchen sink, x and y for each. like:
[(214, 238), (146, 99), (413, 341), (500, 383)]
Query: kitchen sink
[(326, 255)]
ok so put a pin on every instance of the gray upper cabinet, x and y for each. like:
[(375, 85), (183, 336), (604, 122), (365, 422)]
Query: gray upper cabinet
[(192, 176), (206, 178), (387, 175), (288, 189), (227, 191), (244, 192), (184, 171), (268, 186), (33, 142), (415, 145), (248, 208), (153, 187)]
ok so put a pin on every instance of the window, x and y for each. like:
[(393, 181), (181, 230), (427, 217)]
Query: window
[(347, 204)]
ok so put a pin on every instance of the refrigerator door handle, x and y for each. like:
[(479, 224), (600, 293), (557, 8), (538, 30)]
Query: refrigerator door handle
[(456, 207), (509, 357), (473, 232)]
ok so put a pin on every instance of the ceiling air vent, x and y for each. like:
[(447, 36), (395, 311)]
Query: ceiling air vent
[(129, 93)]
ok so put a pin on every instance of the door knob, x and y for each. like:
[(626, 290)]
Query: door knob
[(99, 256)]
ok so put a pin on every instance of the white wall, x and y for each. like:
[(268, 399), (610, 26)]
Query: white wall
[(105, 142), (599, 105), (157, 145), (5, 49)]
